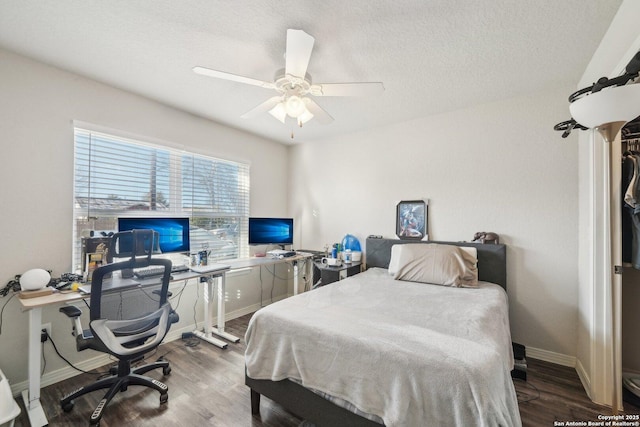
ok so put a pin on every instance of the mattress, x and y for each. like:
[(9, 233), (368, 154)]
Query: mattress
[(402, 352)]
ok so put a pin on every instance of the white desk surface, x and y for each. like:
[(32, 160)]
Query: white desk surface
[(69, 296), (235, 264)]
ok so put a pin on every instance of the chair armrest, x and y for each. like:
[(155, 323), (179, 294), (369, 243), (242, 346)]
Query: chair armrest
[(70, 311)]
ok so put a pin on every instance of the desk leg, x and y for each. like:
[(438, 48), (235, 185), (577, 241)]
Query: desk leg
[(31, 397), (295, 277), (221, 312), (207, 334)]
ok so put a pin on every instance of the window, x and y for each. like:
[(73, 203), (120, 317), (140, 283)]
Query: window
[(118, 177)]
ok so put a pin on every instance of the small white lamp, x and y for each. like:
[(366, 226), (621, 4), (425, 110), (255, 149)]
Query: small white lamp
[(34, 279)]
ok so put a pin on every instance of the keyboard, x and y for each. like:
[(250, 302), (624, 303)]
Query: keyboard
[(179, 268), (157, 270), (150, 271)]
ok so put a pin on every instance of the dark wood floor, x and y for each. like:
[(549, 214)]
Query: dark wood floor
[(206, 387)]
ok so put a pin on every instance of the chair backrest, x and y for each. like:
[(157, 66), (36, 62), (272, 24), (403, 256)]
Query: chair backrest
[(129, 301)]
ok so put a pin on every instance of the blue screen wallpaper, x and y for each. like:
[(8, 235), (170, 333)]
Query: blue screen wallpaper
[(173, 232), (266, 231)]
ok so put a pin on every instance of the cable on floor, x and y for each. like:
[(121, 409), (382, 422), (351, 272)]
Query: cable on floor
[(192, 341), (530, 386), (66, 360)]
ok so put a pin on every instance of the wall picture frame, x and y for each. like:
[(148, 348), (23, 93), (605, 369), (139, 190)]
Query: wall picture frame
[(411, 220)]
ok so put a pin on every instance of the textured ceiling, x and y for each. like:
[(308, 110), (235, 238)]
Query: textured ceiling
[(432, 55)]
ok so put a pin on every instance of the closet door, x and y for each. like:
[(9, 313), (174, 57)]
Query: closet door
[(630, 339)]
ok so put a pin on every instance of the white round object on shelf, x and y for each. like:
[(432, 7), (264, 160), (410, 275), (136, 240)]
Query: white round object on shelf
[(34, 279)]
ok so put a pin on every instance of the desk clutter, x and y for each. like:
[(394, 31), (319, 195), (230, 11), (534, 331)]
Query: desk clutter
[(33, 283), (37, 293), (38, 282), (345, 252), (343, 260)]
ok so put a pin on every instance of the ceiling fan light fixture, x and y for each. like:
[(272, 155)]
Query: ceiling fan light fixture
[(279, 112), (295, 106), (294, 85), (304, 117)]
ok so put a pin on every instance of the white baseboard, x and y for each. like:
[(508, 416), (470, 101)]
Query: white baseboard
[(584, 378), (104, 359), (64, 373), (550, 356)]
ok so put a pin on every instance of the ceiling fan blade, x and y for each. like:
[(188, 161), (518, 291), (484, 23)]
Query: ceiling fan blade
[(299, 47), (233, 77), (347, 89), (262, 108), (318, 113)]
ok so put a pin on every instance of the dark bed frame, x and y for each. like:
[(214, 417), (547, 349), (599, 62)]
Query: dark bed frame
[(492, 267)]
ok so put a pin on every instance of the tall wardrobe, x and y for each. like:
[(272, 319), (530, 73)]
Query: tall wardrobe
[(630, 220)]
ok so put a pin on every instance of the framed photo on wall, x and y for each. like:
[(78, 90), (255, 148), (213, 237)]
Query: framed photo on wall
[(411, 219)]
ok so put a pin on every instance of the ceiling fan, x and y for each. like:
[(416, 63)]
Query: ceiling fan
[(294, 85)]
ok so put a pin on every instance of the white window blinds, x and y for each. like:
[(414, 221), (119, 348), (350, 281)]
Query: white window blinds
[(118, 177)]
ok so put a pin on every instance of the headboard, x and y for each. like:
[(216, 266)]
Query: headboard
[(492, 259)]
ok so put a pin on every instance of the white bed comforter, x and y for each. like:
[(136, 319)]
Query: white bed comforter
[(412, 354)]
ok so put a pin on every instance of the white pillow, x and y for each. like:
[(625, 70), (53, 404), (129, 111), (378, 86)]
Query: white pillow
[(434, 263)]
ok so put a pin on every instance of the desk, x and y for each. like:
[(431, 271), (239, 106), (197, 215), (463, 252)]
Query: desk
[(238, 264), (31, 396)]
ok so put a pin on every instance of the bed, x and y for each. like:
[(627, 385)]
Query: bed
[(371, 350)]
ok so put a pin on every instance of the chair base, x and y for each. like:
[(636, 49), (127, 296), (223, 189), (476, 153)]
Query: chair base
[(117, 383)]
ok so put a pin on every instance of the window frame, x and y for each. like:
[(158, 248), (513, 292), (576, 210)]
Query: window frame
[(220, 197)]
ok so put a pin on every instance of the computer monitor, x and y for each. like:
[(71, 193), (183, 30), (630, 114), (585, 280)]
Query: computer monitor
[(271, 231), (173, 233)]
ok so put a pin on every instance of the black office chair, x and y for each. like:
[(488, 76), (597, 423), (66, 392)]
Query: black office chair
[(125, 321)]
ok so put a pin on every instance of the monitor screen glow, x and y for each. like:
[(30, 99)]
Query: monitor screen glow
[(270, 231), (173, 232)]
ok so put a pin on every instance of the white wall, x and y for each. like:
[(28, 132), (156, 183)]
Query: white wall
[(498, 167), (38, 106)]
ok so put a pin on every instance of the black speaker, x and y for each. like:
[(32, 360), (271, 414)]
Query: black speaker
[(520, 361)]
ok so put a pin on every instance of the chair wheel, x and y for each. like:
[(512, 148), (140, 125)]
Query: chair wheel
[(67, 407), (164, 398), (166, 371)]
